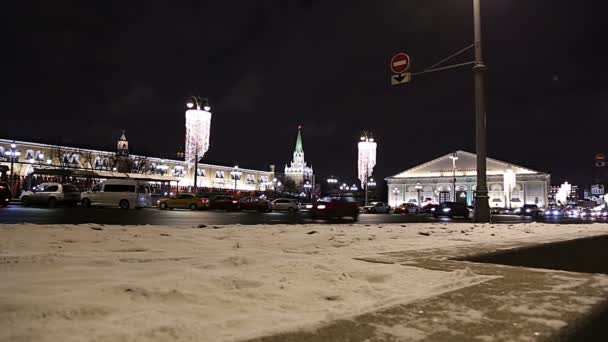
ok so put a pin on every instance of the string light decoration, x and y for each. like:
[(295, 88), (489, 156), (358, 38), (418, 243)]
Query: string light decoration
[(198, 126), (367, 157)]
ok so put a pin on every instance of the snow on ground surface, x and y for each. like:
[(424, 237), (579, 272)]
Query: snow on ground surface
[(154, 283)]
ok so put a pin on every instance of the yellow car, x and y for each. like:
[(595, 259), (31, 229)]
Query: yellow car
[(184, 201)]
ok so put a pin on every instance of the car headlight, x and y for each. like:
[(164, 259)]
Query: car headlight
[(605, 214), (555, 212), (445, 210), (528, 210), (157, 202), (321, 206), (309, 206), (432, 209)]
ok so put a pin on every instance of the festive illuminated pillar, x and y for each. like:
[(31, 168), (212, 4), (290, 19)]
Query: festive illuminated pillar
[(367, 159), (198, 124)]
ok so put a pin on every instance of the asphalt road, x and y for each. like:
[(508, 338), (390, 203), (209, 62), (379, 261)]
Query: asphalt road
[(79, 215)]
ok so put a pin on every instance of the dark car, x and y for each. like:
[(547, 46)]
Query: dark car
[(452, 209), (336, 207), (223, 202), (429, 208), (5, 194), (527, 210), (254, 203)]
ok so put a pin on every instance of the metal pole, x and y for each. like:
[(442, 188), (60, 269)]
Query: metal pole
[(12, 174), (365, 188), (482, 208), (195, 172)]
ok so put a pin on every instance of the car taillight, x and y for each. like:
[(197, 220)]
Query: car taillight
[(235, 202), (204, 200), (1, 187)]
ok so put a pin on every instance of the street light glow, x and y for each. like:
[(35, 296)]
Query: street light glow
[(190, 105)]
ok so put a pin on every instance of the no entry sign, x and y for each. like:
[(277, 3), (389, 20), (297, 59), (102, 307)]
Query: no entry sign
[(400, 63)]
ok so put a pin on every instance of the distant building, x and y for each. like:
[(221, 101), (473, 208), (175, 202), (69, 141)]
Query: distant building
[(452, 177), (45, 161), (298, 170), (573, 197)]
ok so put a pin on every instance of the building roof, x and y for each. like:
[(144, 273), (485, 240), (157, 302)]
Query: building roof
[(466, 165)]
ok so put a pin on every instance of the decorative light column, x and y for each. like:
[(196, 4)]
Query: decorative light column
[(198, 126), (367, 159), (454, 158), (236, 174), (418, 188), (13, 154)]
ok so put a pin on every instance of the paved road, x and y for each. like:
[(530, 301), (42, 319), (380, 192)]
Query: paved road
[(78, 215)]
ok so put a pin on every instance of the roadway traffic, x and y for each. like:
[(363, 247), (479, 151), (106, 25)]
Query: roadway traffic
[(154, 216)]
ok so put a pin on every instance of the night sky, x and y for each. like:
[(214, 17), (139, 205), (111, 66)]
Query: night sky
[(78, 75)]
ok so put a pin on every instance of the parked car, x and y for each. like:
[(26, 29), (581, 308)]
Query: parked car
[(51, 194), (285, 204), (183, 201), (527, 210), (336, 207), (254, 203), (5, 194), (223, 202), (452, 209), (123, 193), (377, 208), (407, 208)]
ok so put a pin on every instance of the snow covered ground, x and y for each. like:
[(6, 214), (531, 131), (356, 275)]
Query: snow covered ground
[(223, 283)]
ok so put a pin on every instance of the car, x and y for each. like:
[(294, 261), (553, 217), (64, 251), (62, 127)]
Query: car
[(223, 202), (5, 194), (604, 214), (407, 208), (51, 194), (554, 212), (452, 209), (183, 201), (377, 208), (122, 193), (527, 210), (336, 207), (429, 208), (254, 203), (285, 204)]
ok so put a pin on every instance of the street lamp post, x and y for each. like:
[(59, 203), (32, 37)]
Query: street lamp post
[(236, 174), (13, 154), (418, 188), (396, 193), (308, 188), (482, 207), (368, 184), (454, 158)]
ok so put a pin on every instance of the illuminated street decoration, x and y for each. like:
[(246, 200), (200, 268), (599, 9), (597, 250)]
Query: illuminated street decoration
[(561, 197), (367, 158), (509, 179), (198, 125)]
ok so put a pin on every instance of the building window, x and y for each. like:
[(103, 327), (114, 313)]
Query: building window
[(219, 174), (201, 172)]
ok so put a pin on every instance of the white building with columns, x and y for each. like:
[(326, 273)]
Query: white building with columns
[(452, 177)]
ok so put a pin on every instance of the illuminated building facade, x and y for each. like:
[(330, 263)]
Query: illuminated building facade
[(453, 177)]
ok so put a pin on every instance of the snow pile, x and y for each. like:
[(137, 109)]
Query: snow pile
[(69, 283)]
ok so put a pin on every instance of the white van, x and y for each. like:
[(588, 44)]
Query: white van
[(124, 193)]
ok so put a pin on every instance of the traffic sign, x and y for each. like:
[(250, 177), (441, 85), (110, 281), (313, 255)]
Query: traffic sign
[(401, 78), (400, 63)]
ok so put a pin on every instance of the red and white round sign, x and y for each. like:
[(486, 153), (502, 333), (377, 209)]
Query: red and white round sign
[(400, 63)]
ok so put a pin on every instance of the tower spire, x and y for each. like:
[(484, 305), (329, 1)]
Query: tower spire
[(299, 146)]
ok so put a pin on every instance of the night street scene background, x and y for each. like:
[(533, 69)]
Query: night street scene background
[(304, 171)]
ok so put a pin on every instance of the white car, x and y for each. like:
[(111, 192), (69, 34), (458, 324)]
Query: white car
[(285, 204), (377, 208), (51, 194), (123, 193)]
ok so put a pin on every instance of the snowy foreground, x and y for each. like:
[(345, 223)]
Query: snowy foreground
[(223, 283)]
